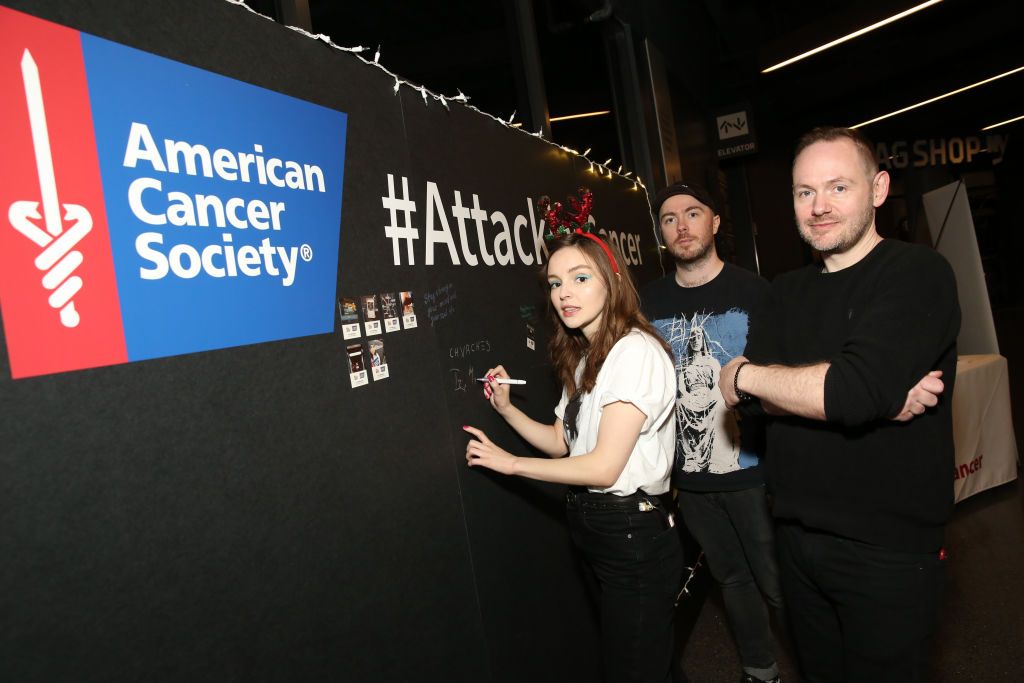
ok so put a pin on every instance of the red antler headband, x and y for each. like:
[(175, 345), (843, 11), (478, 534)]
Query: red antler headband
[(563, 222)]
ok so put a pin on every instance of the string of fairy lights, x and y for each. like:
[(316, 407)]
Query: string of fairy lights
[(685, 590), (603, 169)]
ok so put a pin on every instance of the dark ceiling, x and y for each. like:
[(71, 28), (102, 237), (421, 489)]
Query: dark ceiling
[(941, 48), (716, 49)]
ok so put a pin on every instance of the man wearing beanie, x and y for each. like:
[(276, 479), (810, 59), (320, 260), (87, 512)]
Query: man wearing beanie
[(702, 310)]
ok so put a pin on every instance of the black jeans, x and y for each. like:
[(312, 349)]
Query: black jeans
[(637, 563), (858, 612), (736, 531)]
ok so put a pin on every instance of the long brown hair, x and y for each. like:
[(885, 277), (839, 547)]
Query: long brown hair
[(621, 313)]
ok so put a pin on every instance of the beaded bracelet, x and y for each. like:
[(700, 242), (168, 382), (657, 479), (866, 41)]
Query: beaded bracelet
[(741, 395)]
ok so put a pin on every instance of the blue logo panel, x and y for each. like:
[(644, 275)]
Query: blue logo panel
[(223, 201)]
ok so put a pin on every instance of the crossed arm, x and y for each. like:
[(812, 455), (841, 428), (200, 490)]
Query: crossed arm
[(800, 391), (906, 323)]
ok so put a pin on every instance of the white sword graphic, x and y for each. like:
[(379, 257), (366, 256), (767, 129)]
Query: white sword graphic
[(57, 258)]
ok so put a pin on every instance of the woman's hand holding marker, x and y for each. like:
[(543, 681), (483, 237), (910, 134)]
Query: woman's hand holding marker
[(496, 392)]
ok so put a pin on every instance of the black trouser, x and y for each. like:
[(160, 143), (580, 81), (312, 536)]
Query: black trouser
[(858, 612), (637, 561), (735, 530)]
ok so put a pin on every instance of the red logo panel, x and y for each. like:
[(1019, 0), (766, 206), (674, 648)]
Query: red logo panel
[(58, 293)]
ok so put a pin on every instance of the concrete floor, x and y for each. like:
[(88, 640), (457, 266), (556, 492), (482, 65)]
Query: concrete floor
[(981, 635)]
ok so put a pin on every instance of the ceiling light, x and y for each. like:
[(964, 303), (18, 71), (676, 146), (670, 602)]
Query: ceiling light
[(940, 97), (579, 116), (1003, 123), (855, 34)]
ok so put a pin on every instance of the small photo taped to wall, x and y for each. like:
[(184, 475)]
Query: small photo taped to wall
[(348, 313), (408, 310), (371, 314), (389, 310), (356, 365), (378, 361)]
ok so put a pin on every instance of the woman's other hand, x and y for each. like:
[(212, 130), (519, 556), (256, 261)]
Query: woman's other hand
[(480, 452)]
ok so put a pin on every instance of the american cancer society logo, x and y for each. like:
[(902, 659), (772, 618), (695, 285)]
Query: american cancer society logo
[(149, 208)]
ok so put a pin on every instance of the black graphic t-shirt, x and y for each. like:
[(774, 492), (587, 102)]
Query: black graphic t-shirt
[(706, 327)]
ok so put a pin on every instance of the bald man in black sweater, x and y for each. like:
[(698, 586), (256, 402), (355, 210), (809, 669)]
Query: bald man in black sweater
[(859, 470)]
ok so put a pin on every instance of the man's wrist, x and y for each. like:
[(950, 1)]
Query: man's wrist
[(740, 394)]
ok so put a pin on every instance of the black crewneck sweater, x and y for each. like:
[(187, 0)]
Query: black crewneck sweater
[(882, 323)]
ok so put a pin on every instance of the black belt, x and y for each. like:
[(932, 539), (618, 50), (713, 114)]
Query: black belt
[(640, 500)]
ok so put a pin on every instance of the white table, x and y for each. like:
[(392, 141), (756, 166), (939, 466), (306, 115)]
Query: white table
[(986, 449)]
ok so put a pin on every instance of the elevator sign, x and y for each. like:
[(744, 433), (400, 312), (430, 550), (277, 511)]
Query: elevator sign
[(735, 132)]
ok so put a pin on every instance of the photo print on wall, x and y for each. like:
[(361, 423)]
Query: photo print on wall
[(528, 312), (371, 314), (348, 312), (378, 361), (389, 310), (356, 365), (408, 312)]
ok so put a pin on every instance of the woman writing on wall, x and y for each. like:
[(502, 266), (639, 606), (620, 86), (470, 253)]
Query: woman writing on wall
[(615, 422)]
